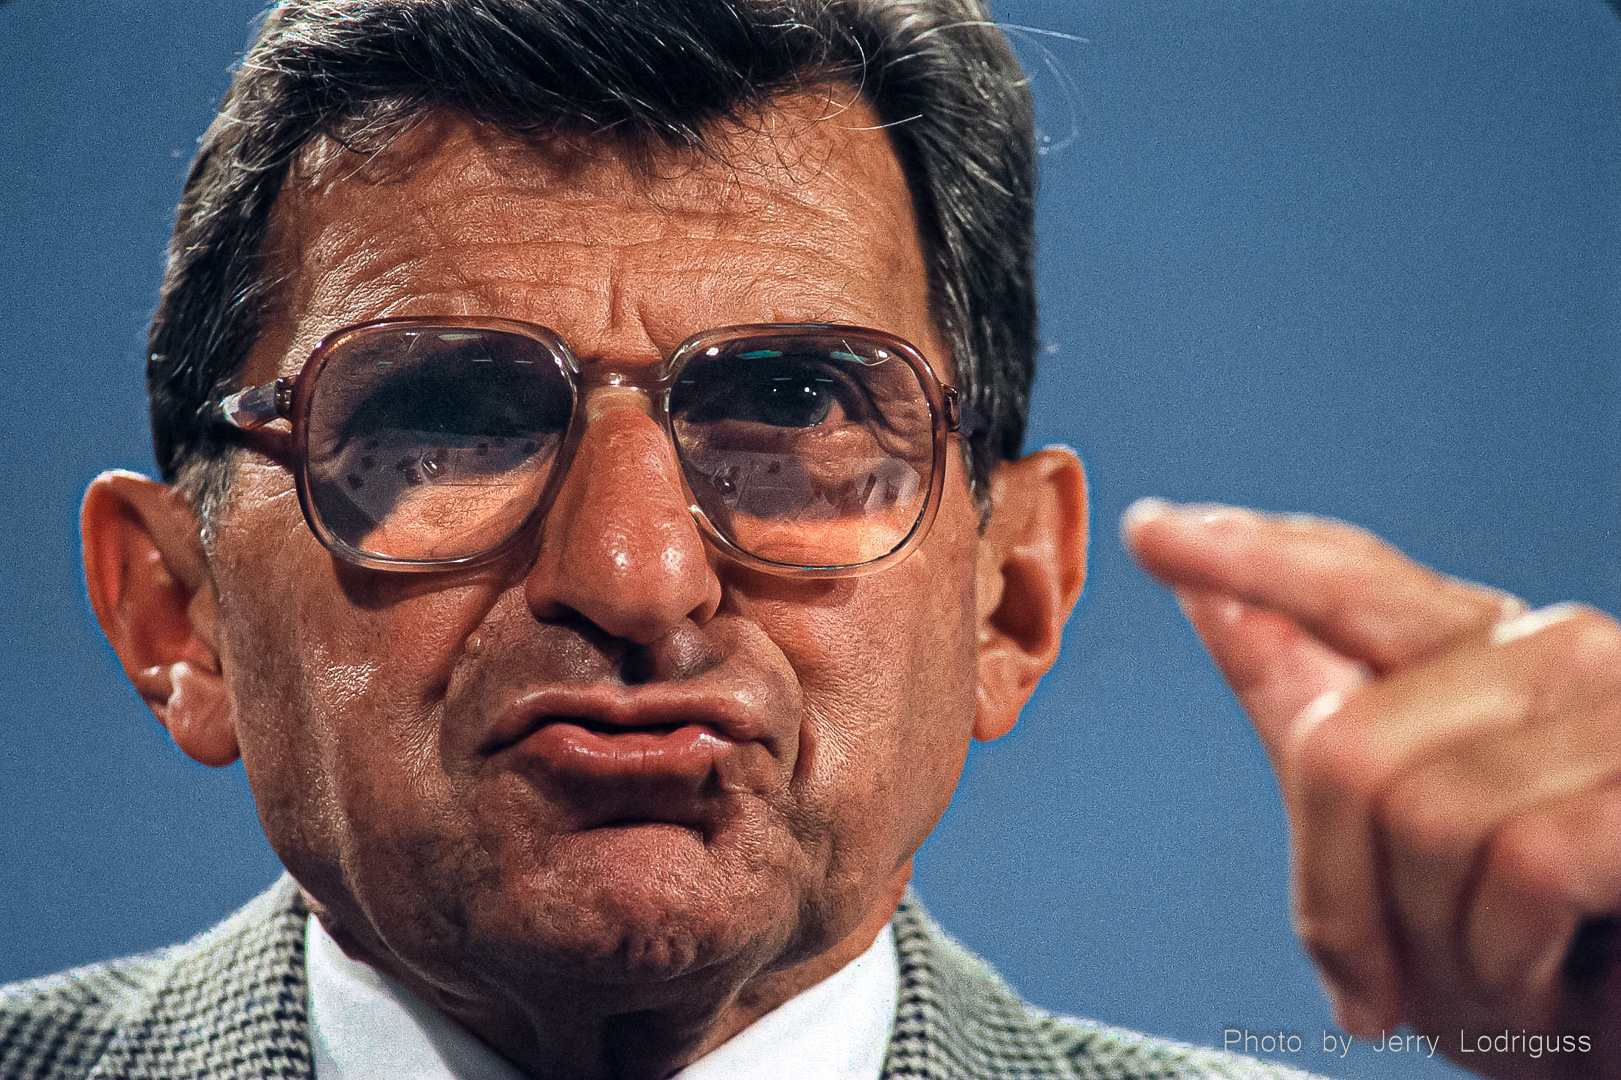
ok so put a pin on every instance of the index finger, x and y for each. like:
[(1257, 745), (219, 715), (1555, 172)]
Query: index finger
[(1339, 583)]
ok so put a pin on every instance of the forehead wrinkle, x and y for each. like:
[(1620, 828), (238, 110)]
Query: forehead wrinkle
[(770, 234), (346, 251), (762, 298), (780, 169), (777, 168), (342, 263), (382, 280), (539, 217)]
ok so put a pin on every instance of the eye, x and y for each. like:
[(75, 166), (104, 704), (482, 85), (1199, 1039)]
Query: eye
[(459, 400), (766, 387), (798, 396)]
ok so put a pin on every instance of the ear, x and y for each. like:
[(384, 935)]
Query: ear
[(154, 597), (1032, 565)]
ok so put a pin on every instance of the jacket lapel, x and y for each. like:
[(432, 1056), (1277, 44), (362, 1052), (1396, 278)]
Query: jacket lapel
[(232, 1004), (955, 1019)]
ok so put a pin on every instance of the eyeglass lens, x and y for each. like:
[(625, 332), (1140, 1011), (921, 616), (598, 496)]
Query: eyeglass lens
[(436, 443)]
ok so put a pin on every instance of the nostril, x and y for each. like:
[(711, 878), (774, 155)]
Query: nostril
[(638, 666)]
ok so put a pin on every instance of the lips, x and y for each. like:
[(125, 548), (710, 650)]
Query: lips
[(588, 751), (605, 733)]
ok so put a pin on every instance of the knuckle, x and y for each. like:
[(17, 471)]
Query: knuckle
[(1364, 550), (1311, 526), (1590, 644), (1337, 763), (1344, 951), (1415, 822), (1522, 857), (1340, 601), (1345, 546), (1574, 662)]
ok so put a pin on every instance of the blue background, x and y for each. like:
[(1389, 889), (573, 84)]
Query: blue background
[(1355, 258)]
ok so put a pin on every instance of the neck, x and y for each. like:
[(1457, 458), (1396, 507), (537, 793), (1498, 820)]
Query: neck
[(558, 1029)]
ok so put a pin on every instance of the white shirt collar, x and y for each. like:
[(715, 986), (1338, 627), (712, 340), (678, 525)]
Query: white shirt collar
[(365, 1026)]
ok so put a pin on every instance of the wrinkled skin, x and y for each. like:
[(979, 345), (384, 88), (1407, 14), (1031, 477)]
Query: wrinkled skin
[(586, 926)]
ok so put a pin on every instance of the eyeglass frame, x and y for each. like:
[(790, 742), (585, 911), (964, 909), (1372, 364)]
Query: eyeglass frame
[(289, 398)]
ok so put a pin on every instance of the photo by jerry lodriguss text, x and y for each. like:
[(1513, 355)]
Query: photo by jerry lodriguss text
[(1338, 1044)]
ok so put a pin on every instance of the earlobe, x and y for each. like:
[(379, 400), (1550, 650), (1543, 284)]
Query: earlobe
[(1032, 566), (154, 598)]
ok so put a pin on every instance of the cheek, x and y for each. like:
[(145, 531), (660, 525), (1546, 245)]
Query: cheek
[(338, 691), (888, 678)]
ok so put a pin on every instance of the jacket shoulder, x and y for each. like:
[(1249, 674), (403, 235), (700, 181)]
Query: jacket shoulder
[(958, 1020), (228, 1005), (58, 1026)]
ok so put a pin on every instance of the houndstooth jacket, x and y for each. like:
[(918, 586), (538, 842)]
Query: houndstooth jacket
[(233, 1005)]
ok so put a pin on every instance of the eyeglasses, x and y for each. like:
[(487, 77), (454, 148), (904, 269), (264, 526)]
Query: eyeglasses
[(429, 443)]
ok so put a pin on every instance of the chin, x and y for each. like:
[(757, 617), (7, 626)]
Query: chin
[(642, 905)]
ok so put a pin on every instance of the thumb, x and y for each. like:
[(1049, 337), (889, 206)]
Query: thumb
[(1284, 678)]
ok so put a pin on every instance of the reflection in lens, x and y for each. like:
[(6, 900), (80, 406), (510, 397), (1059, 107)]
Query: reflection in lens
[(806, 450), (433, 443)]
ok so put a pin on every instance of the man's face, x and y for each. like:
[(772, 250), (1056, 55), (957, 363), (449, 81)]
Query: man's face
[(377, 712)]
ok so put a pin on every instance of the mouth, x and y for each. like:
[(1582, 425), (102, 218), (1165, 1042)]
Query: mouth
[(585, 749), (602, 727), (603, 733)]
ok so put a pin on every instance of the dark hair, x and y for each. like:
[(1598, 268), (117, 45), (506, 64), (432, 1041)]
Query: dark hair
[(659, 72)]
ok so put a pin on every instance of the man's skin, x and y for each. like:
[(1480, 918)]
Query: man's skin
[(588, 925), (1453, 808)]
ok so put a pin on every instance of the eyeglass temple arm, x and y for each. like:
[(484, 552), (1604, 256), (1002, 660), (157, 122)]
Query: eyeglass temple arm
[(257, 405), (961, 416)]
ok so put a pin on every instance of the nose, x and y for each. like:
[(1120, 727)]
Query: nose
[(619, 546)]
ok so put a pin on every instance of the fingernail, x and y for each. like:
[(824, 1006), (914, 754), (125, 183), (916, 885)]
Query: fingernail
[(1139, 512), (1320, 708), (1142, 510), (1512, 607), (1531, 622), (1222, 609), (1216, 513)]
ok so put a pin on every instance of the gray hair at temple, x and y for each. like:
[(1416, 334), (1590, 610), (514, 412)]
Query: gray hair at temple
[(937, 72)]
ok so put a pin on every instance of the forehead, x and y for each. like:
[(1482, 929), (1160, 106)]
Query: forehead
[(801, 214)]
